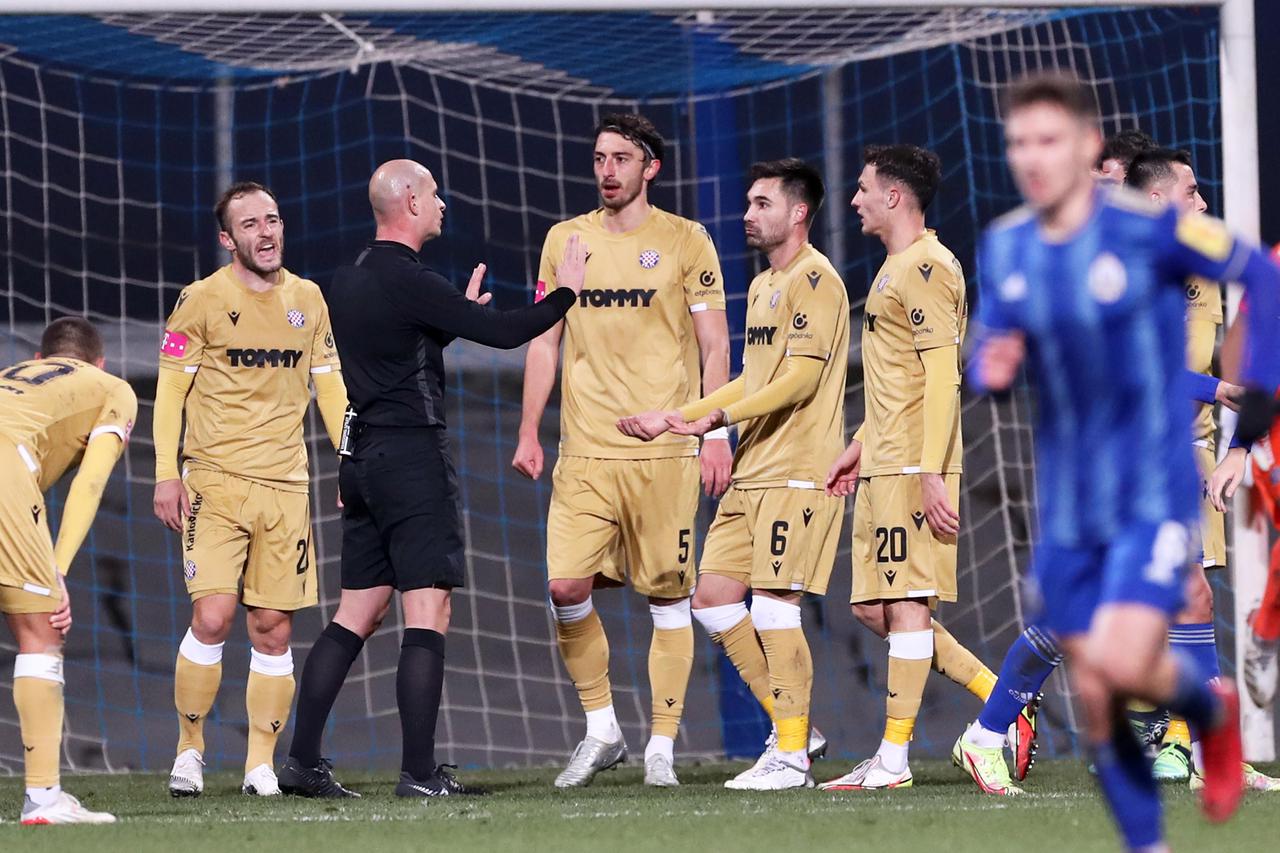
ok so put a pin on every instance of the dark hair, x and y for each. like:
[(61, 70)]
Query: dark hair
[(233, 192), (800, 181), (73, 336), (637, 129), (1124, 146), (1056, 88), (1153, 166), (916, 168)]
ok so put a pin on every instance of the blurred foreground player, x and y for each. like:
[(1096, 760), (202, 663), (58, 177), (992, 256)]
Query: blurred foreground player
[(401, 520), (1080, 281), (57, 410), (240, 353)]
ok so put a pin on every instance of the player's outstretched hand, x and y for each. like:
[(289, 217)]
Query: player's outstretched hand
[(842, 479), (528, 459), (1226, 478), (938, 511), (60, 619), (645, 426), (1229, 395), (716, 461), (170, 503), (701, 426), (573, 266), (999, 358), (473, 286)]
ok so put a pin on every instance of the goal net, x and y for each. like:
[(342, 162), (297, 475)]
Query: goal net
[(118, 132)]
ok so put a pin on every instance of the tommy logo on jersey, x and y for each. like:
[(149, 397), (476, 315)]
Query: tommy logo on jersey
[(296, 319), (174, 344)]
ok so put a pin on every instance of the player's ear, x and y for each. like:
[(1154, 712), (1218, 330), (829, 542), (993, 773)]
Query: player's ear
[(651, 170), (39, 355), (799, 213), (224, 240), (100, 362), (892, 195)]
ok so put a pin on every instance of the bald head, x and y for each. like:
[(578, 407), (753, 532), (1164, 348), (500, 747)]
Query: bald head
[(405, 202)]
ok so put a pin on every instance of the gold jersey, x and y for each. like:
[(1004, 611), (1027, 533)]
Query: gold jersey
[(50, 408), (629, 344), (1204, 304), (916, 303), (252, 355), (801, 310)]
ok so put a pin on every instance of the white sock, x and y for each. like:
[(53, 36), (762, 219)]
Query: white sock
[(1197, 757), (44, 796), (660, 745), (892, 756), (980, 736), (603, 725)]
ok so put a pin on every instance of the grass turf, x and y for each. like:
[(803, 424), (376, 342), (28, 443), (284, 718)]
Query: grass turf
[(944, 812)]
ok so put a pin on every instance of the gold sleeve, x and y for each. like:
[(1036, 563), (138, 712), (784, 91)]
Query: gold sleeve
[(84, 495), (941, 396), (799, 380), (331, 400), (859, 434), (724, 396), (171, 395), (1202, 337)]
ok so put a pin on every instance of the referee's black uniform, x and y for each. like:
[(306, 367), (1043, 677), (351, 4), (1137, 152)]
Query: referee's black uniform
[(392, 318)]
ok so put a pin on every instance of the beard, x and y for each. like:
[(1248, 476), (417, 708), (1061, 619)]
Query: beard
[(245, 252), (625, 196), (765, 240)]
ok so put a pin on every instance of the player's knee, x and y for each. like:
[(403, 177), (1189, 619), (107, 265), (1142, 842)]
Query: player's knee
[(1124, 675), (1199, 600), (566, 593), (872, 616), (211, 626)]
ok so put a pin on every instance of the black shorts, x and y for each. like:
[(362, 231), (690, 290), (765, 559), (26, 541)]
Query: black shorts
[(401, 518)]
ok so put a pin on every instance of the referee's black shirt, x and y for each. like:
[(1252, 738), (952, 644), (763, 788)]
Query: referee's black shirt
[(392, 318)]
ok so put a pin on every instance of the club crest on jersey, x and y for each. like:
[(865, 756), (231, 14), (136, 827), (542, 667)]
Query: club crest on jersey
[(649, 258), (773, 300), (883, 282), (296, 319), (189, 570), (1014, 287), (1107, 278)]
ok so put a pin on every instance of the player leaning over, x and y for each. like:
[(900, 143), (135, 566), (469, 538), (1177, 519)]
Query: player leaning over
[(240, 352), (775, 532), (907, 452), (1078, 281), (53, 409), (649, 330)]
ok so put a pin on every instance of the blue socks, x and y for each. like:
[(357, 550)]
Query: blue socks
[(1198, 643), (1124, 774), (1030, 660), (1193, 699)]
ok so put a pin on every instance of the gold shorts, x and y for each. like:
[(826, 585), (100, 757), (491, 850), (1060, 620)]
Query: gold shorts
[(627, 520), (249, 540), (1213, 524), (775, 538), (28, 573), (895, 554)]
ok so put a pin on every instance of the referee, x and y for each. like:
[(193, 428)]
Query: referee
[(392, 318)]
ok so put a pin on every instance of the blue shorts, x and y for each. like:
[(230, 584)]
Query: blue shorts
[(1147, 564)]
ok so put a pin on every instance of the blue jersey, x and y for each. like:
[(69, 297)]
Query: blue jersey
[(1103, 315)]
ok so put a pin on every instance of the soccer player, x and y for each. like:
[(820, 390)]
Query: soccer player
[(240, 353), (1078, 282), (904, 462), (56, 410), (649, 331), (1118, 152), (1167, 177), (775, 532), (393, 317)]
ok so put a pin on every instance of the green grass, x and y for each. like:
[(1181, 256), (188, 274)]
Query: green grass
[(944, 813)]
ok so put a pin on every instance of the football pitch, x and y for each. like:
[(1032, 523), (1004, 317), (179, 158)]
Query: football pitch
[(944, 813)]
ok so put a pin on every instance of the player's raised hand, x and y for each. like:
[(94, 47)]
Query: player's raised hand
[(842, 479), (473, 286), (1226, 478), (999, 358), (942, 517), (528, 459), (572, 272), (171, 504), (60, 619), (701, 426), (645, 426), (716, 461)]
